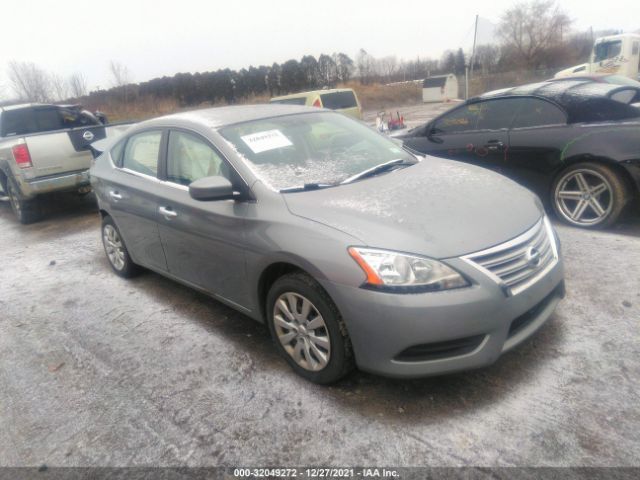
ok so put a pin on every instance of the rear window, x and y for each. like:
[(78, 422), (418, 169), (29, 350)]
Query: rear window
[(338, 100), (18, 122), (291, 101)]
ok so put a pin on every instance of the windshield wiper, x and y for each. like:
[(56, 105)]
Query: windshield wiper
[(307, 187), (383, 167)]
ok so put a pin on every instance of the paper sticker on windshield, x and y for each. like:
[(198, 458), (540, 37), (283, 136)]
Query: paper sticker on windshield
[(268, 140)]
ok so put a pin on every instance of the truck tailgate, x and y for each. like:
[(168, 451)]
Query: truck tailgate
[(65, 150)]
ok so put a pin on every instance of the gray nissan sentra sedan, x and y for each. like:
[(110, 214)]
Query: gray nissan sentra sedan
[(352, 250)]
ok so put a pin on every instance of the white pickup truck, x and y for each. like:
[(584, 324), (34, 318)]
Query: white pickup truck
[(45, 148)]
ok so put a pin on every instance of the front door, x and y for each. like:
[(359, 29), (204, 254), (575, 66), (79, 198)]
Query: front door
[(203, 240), (475, 133)]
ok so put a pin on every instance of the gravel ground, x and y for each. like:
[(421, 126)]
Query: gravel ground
[(100, 371)]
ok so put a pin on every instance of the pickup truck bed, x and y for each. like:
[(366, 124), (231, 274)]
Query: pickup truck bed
[(44, 149)]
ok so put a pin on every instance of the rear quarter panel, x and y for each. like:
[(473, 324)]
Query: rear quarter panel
[(617, 143)]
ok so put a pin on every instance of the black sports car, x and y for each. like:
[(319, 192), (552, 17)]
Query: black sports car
[(576, 144)]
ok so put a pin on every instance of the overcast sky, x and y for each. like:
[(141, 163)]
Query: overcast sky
[(162, 38)]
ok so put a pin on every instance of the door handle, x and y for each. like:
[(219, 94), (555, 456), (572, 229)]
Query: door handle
[(115, 195), (494, 146), (168, 212)]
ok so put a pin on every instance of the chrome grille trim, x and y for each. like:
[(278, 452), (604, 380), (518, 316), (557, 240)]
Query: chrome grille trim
[(508, 265)]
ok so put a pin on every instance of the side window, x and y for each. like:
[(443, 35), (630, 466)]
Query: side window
[(487, 115), (190, 158), (47, 119), (460, 120), (116, 153), (535, 113), (141, 153), (497, 114)]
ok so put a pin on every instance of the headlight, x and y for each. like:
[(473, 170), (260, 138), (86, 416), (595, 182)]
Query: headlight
[(394, 270)]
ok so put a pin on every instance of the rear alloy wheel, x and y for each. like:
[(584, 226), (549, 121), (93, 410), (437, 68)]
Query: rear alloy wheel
[(308, 329), (26, 211), (116, 250), (589, 195)]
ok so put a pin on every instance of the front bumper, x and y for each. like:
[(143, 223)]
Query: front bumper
[(384, 325), (55, 183)]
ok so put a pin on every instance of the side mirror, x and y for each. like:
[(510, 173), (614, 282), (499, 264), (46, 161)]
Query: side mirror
[(211, 188)]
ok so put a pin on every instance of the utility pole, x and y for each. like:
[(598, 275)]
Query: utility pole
[(469, 67), (473, 50)]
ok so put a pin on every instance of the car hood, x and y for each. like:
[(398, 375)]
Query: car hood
[(438, 208)]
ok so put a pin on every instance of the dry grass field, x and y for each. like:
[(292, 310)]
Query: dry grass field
[(372, 97)]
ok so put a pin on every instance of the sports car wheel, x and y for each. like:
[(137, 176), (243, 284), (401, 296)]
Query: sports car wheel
[(589, 195)]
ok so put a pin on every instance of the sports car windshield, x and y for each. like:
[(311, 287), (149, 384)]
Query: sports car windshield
[(318, 149)]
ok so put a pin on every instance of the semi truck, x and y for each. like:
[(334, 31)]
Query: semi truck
[(611, 55)]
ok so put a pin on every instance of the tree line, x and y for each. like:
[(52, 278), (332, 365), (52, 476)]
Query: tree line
[(531, 36)]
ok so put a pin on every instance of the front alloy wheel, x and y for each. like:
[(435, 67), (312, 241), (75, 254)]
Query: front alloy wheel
[(589, 196), (307, 329), (301, 331)]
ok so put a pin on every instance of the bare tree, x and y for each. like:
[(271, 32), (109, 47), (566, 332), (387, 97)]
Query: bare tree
[(121, 78), (78, 85), (531, 28), (388, 66), (487, 57), (119, 73), (59, 87), (29, 82), (365, 64)]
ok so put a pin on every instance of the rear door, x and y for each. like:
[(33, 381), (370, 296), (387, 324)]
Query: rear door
[(202, 239), (538, 135), (131, 192), (61, 139), (475, 133)]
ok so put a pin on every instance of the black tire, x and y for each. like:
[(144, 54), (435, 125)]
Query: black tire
[(26, 211), (341, 360), (125, 269), (615, 198)]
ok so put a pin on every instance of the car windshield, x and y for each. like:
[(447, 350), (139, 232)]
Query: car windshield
[(320, 148), (606, 50)]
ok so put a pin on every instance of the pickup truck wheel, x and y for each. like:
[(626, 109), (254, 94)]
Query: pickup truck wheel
[(26, 211), (116, 250), (589, 195)]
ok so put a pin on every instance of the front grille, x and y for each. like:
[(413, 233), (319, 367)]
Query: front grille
[(520, 262), (438, 350)]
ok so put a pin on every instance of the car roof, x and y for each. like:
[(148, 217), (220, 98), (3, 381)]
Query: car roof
[(218, 117), (573, 96), (313, 92), (19, 106), (560, 92)]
